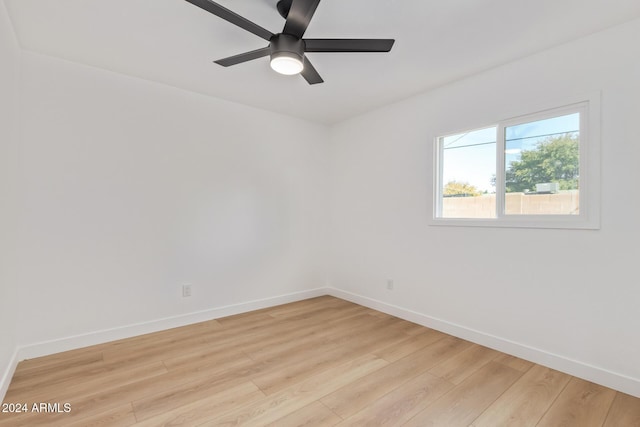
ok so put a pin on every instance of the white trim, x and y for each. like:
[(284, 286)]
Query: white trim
[(438, 155), (561, 363), (5, 380), (577, 368), (551, 222), (501, 172), (98, 337), (45, 348)]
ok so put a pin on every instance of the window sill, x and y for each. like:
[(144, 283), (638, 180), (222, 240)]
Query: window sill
[(548, 222)]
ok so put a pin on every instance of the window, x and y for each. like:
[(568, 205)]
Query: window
[(529, 171)]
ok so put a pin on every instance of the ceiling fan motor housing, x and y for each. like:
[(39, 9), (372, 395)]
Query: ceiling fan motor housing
[(287, 45), (283, 7)]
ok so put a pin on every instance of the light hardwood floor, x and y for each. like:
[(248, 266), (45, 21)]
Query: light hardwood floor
[(318, 362)]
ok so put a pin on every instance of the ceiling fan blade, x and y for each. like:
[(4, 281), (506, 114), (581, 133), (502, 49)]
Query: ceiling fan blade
[(243, 57), (310, 74), (232, 17), (348, 45), (299, 16)]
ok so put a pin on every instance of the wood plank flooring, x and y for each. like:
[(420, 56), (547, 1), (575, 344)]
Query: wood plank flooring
[(318, 362)]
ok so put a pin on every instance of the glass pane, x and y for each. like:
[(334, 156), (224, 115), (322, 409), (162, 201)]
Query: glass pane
[(542, 165), (468, 174)]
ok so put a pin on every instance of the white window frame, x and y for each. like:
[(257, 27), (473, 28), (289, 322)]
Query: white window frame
[(589, 181)]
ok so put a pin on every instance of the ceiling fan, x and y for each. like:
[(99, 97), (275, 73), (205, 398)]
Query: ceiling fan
[(287, 49)]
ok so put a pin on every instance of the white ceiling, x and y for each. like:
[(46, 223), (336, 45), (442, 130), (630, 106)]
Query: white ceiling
[(174, 42)]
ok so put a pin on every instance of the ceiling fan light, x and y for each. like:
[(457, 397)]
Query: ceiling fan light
[(287, 63)]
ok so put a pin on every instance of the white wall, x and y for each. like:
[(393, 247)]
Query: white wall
[(9, 81), (132, 188), (582, 306), (124, 189)]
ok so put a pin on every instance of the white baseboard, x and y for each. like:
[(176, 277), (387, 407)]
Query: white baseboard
[(576, 368), (5, 380), (98, 337)]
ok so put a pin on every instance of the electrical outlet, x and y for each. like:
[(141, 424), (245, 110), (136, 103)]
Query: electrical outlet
[(186, 290), (390, 284)]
